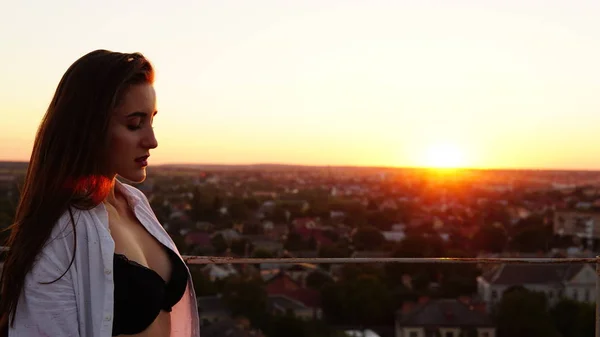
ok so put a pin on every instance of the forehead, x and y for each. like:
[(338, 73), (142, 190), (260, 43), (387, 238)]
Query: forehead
[(138, 98)]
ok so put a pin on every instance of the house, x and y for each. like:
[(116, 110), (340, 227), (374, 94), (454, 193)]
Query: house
[(308, 254), (211, 309), (219, 272), (300, 271), (582, 224), (283, 284), (229, 235), (7, 180), (313, 233), (444, 318), (205, 226), (363, 254), (239, 327), (283, 305), (574, 281), (275, 231), (198, 238), (388, 204), (361, 333), (371, 254), (264, 243), (308, 223), (394, 236)]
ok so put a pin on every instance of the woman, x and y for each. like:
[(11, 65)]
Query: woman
[(87, 255)]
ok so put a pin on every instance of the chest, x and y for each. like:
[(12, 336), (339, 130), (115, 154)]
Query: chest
[(133, 240)]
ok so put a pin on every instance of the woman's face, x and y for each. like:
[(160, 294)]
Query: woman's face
[(131, 135)]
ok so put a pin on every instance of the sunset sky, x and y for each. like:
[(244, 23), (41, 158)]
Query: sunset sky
[(487, 84)]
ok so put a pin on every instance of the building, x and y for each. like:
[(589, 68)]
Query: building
[(443, 318), (283, 284), (574, 281), (239, 327), (581, 224), (211, 309), (283, 305)]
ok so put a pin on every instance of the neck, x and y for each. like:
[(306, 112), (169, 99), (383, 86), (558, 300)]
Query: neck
[(113, 196)]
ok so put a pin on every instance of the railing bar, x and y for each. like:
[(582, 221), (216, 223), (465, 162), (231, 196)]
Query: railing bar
[(191, 259), (244, 260)]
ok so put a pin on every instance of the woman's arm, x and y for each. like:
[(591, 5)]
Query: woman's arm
[(48, 309)]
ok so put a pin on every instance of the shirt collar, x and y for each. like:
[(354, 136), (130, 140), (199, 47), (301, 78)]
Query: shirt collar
[(131, 197)]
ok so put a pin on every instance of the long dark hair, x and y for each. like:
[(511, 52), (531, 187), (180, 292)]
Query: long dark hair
[(67, 167)]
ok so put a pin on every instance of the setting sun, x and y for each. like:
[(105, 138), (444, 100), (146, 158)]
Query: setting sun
[(444, 156)]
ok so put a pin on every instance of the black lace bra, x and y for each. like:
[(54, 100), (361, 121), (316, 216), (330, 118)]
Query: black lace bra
[(140, 293)]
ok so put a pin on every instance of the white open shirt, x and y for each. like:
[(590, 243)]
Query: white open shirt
[(81, 302)]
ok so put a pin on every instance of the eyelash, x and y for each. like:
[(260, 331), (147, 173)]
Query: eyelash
[(135, 127), (140, 124)]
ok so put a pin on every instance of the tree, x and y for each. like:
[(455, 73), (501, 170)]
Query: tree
[(415, 246), (364, 300), (278, 215), (295, 242), (496, 213), (203, 286), (217, 204), (286, 326), (350, 272), (246, 296), (565, 315), (586, 320), (532, 236), (573, 319), (241, 247), (458, 279), (317, 280), (202, 204), (8, 208), (384, 219), (218, 241), (523, 313), (161, 210), (491, 238), (337, 250), (368, 238), (238, 210), (261, 254), (289, 326), (180, 243)]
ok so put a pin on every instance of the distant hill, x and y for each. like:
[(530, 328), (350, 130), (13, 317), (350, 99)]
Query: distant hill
[(16, 165)]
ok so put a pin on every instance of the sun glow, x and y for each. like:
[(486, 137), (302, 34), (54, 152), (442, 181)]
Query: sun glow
[(444, 155)]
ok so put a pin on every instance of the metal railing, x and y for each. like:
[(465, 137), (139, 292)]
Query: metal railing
[(204, 260), (194, 260)]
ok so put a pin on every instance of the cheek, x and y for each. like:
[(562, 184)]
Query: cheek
[(118, 144)]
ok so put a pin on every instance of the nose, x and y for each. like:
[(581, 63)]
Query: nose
[(149, 141)]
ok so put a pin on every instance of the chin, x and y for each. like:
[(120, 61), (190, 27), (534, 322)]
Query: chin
[(135, 177)]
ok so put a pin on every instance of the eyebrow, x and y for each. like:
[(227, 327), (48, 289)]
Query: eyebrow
[(140, 114)]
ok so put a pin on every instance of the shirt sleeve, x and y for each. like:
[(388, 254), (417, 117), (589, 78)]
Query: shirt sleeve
[(48, 309)]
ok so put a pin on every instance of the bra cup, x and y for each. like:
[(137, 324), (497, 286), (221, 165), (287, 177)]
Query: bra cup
[(140, 293)]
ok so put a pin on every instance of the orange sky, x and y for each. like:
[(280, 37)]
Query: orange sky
[(394, 83)]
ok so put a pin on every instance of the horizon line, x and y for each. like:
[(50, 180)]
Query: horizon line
[(216, 164)]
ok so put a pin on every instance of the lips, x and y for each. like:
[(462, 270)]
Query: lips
[(142, 159)]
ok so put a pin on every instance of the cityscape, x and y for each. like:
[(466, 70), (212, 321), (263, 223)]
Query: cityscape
[(287, 211), (325, 168)]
